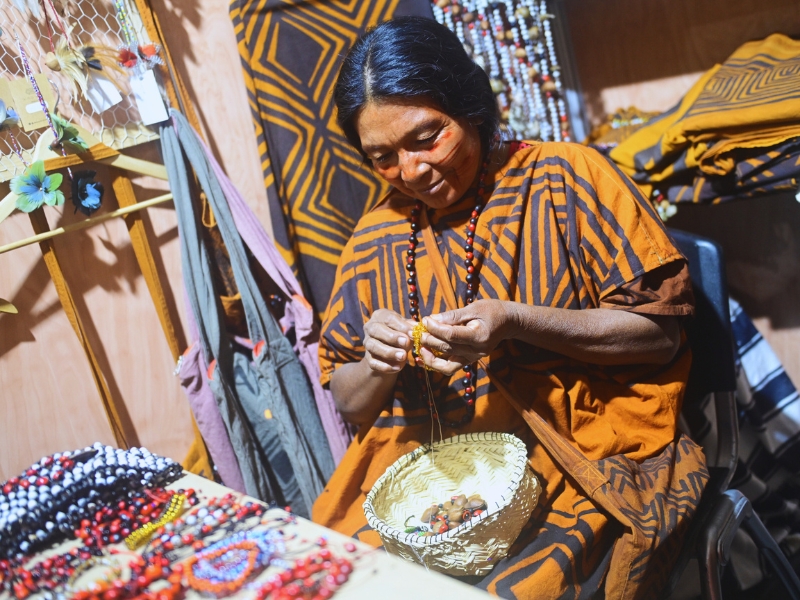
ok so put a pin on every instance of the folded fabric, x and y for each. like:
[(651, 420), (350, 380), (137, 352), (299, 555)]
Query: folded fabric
[(750, 101), (753, 174)]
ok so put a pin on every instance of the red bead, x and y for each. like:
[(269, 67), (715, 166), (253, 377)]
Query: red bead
[(471, 227), (8, 488), (24, 484), (470, 240), (30, 472), (468, 390), (350, 547), (412, 288), (475, 214), (470, 269), (469, 256)]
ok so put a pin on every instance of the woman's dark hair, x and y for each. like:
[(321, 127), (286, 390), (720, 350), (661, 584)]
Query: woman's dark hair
[(414, 57)]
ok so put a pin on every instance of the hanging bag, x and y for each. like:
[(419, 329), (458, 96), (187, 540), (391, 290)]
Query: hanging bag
[(264, 394), (298, 312)]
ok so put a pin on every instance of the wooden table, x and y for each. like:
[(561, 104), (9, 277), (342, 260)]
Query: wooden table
[(376, 575)]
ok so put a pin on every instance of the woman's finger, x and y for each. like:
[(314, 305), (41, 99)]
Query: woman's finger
[(435, 344), (448, 366), (383, 332), (384, 352)]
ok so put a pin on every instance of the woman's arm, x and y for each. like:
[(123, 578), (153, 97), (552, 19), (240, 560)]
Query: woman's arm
[(363, 388), (601, 336)]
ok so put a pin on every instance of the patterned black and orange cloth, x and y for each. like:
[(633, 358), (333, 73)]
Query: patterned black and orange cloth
[(563, 228), (740, 110), (317, 185)]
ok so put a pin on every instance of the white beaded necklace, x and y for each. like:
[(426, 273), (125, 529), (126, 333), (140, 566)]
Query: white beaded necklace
[(512, 40)]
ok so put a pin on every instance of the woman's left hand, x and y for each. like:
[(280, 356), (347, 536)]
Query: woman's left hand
[(460, 337)]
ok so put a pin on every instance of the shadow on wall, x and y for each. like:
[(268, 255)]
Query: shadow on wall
[(84, 270)]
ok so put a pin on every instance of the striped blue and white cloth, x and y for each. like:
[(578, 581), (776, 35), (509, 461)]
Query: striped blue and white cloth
[(769, 443)]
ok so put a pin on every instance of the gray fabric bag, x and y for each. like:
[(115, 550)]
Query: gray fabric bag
[(283, 458)]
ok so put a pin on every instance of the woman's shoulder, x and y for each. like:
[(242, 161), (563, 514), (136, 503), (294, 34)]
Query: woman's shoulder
[(530, 151)]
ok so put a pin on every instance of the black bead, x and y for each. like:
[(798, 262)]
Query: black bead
[(468, 247), (478, 208), (467, 368), (473, 221), (414, 310), (411, 252), (410, 267), (465, 381), (467, 262), (415, 227), (412, 295), (470, 300), (470, 277), (410, 281)]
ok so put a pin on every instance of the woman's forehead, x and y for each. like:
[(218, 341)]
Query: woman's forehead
[(388, 121)]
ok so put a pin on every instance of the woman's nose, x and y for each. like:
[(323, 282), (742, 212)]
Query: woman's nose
[(411, 167)]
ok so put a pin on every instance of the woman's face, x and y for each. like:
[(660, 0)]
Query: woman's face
[(420, 150)]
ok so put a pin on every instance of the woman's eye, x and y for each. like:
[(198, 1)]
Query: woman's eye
[(427, 141), (382, 159)]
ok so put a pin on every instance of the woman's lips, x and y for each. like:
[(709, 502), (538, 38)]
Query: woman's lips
[(433, 188)]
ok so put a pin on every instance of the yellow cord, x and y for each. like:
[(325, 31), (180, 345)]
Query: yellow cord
[(141, 535)]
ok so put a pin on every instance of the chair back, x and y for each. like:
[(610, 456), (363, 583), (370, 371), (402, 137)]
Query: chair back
[(713, 372), (709, 332)]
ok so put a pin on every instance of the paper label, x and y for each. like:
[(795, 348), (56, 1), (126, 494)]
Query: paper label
[(102, 94), (26, 103), (148, 99)]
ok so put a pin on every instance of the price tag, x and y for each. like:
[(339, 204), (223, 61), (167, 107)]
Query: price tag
[(102, 94), (148, 98), (26, 103)]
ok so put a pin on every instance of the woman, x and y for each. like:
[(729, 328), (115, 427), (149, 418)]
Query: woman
[(552, 299)]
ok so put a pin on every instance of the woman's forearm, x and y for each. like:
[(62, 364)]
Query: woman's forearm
[(599, 336), (361, 392)]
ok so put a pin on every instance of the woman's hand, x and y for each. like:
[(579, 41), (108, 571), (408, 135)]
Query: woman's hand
[(387, 340), (460, 337)]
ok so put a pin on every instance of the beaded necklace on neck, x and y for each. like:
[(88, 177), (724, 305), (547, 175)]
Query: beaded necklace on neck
[(470, 378)]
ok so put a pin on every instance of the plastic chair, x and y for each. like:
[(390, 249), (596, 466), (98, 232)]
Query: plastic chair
[(721, 511)]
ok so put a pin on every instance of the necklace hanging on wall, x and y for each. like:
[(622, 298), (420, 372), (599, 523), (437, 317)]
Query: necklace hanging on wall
[(512, 41)]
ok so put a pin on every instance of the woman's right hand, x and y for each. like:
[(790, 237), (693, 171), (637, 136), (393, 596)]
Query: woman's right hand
[(387, 340)]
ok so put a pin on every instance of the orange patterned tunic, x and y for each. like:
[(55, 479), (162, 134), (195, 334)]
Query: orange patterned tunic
[(561, 228)]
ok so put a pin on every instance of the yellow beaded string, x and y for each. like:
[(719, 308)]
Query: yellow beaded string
[(141, 535)]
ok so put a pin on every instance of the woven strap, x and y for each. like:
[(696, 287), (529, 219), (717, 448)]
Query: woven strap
[(197, 459), (39, 222)]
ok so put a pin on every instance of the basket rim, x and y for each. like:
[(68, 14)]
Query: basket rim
[(519, 465)]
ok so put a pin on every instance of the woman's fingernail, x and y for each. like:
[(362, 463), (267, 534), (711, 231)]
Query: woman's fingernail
[(436, 317), (402, 340), (399, 355)]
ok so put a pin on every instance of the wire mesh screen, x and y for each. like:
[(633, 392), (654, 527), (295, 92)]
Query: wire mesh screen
[(87, 21)]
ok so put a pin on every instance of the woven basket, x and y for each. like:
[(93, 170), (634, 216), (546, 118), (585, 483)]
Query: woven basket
[(494, 465)]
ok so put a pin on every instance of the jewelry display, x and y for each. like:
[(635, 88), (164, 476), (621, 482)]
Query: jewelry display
[(51, 498), (512, 40)]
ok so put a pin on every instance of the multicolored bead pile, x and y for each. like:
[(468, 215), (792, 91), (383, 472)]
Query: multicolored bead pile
[(217, 546), (50, 499), (512, 40)]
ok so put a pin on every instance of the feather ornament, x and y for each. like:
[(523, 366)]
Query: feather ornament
[(76, 64), (68, 136)]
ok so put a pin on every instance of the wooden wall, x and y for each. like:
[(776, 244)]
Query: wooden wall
[(648, 53), (47, 399)]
